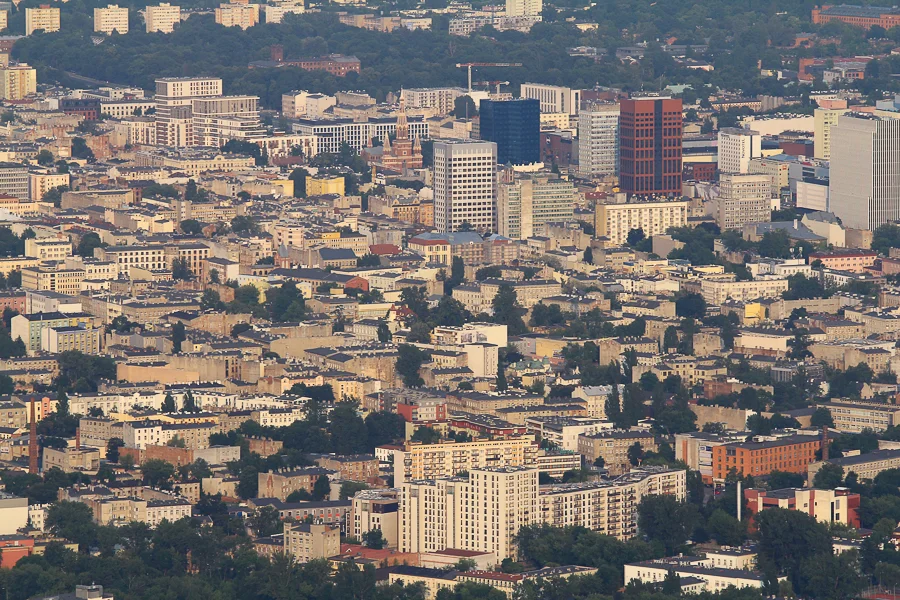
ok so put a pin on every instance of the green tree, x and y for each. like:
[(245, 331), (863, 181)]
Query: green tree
[(426, 435), (112, 449), (726, 530), (181, 270), (588, 256), (786, 538), (665, 519), (384, 333), (168, 405), (374, 539), (322, 488), (507, 311), (178, 336), (409, 361), (88, 243), (822, 418), (690, 306), (829, 476), (157, 472), (191, 226), (670, 338)]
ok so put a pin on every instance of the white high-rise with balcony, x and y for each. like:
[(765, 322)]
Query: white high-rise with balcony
[(465, 184), (737, 147), (598, 140)]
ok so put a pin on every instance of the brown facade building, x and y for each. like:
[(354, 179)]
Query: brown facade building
[(650, 131)]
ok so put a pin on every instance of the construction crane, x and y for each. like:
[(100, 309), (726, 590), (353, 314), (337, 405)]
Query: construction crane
[(483, 64), (488, 84)]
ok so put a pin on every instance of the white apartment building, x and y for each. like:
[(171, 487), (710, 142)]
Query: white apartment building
[(110, 19), (615, 219), (440, 100), (713, 579), (864, 184), (237, 15), (524, 8), (375, 509), (44, 17), (526, 202), (598, 140), (330, 134), (482, 511), (465, 184), (174, 106), (162, 18), (564, 431), (737, 147), (436, 461), (743, 199), (823, 120), (553, 98), (215, 121), (293, 104), (275, 14)]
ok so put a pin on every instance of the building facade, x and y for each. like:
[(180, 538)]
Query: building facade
[(515, 126), (650, 131), (465, 185)]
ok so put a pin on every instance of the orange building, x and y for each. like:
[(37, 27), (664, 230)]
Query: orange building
[(861, 16), (791, 454), (855, 261)]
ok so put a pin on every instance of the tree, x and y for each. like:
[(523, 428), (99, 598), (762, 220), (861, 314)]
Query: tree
[(415, 299), (45, 158), (409, 361), (691, 306), (464, 107), (112, 449), (799, 344), (322, 488), (450, 312), (419, 333), (787, 537), (157, 472), (665, 519), (369, 260), (726, 530), (588, 256), (191, 226), (507, 310), (244, 224), (189, 405), (821, 418), (178, 336), (266, 521), (635, 237), (88, 243), (350, 489), (779, 480), (374, 539), (384, 428), (181, 270), (829, 476), (72, 521), (298, 176), (168, 405), (210, 299), (384, 332), (425, 435), (635, 454), (670, 339)]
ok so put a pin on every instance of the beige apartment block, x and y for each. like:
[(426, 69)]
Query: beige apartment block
[(654, 217), (162, 18), (612, 447), (17, 81), (743, 199), (237, 15), (111, 19), (44, 18), (308, 541)]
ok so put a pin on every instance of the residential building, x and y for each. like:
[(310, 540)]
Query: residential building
[(709, 578), (41, 183), (826, 506), (854, 417), (236, 14), (375, 509), (162, 18), (598, 140), (465, 184), (330, 134), (17, 81), (650, 131), (481, 511), (280, 485), (515, 126), (563, 432), (216, 121), (825, 119), (71, 460), (860, 16), (319, 185), (441, 100), (716, 291), (174, 106), (552, 98), (111, 19), (13, 513), (737, 147), (44, 18), (866, 466), (524, 8), (612, 447), (311, 541), (853, 260), (791, 454), (615, 218), (29, 328), (864, 184), (13, 180), (527, 202), (79, 338), (743, 199)]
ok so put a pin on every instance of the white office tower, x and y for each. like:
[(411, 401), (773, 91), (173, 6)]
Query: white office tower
[(737, 147), (174, 107), (482, 511), (553, 98), (523, 8), (218, 120), (598, 140), (864, 183), (743, 199), (465, 184), (526, 202)]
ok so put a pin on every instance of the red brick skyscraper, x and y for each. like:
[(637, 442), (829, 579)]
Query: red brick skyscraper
[(650, 132)]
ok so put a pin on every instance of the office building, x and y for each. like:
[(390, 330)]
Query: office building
[(515, 126), (162, 18), (465, 184), (824, 120), (552, 98), (441, 100), (856, 417), (44, 18), (743, 199), (523, 8), (215, 121), (13, 180), (111, 19), (17, 81), (866, 466), (330, 134), (598, 140), (526, 202), (174, 106), (616, 218), (826, 506), (650, 130), (481, 511), (864, 184), (237, 15), (790, 454), (737, 147)]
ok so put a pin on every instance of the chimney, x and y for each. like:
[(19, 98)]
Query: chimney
[(32, 443), (78, 438), (824, 442)]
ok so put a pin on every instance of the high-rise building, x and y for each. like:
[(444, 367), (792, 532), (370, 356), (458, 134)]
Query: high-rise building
[(598, 140), (743, 199), (482, 511), (617, 218), (162, 18), (237, 15), (864, 184), (650, 132), (823, 120), (515, 126), (44, 17), (110, 19), (523, 8), (17, 81), (737, 147), (174, 107), (215, 121), (465, 184), (441, 100), (526, 202), (553, 98), (13, 179)]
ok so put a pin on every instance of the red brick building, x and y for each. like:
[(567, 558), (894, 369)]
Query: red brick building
[(650, 133), (861, 16), (791, 454)]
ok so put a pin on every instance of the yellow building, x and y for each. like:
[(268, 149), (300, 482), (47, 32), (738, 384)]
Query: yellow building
[(162, 18), (41, 183), (44, 17), (319, 185), (17, 81), (616, 220), (110, 19), (237, 15)]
